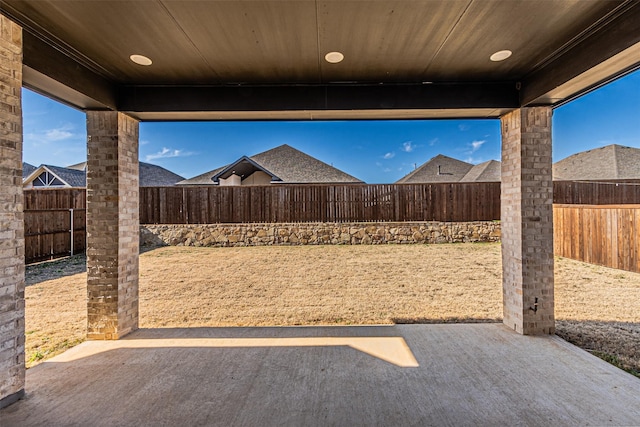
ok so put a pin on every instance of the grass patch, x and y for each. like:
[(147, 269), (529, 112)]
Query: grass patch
[(615, 361)]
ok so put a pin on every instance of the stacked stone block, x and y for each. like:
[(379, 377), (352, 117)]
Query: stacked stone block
[(12, 367), (527, 221), (316, 233), (112, 224)]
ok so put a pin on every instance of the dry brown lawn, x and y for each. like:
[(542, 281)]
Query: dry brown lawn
[(596, 307)]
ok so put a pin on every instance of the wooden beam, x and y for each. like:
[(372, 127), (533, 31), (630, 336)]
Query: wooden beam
[(347, 97), (54, 74), (607, 53)]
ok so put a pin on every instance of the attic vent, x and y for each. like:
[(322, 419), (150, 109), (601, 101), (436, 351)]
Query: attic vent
[(45, 179), (443, 173)]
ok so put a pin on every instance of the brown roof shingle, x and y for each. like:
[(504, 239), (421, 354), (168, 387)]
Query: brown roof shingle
[(612, 162), (489, 171)]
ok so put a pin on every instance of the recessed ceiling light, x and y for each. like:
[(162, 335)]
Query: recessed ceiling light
[(334, 57), (500, 55), (140, 59)]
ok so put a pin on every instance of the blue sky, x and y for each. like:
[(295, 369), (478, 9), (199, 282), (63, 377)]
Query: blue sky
[(374, 151)]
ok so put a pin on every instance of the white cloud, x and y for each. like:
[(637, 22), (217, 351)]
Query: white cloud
[(386, 170), (389, 155), (475, 145), (462, 127), (144, 142), (433, 142), (44, 137), (57, 134), (167, 153), (408, 146)]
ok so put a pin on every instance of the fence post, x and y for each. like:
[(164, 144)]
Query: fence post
[(71, 231)]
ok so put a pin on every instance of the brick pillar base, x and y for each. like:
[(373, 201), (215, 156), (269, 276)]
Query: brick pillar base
[(12, 368), (527, 221), (112, 224)]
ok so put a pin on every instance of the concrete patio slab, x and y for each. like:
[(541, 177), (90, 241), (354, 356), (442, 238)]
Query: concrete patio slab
[(444, 375)]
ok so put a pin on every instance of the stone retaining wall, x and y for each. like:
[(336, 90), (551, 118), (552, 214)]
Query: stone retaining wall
[(319, 233)]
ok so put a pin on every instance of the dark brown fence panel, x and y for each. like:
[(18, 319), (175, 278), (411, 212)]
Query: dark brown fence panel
[(596, 193), (149, 204), (197, 206), (599, 234), (61, 198), (48, 233), (320, 203)]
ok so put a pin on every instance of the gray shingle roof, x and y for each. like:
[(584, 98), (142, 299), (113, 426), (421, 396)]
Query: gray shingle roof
[(74, 178), (612, 162), (202, 179), (156, 176), (484, 172), (290, 165), (439, 169), (150, 175), (27, 169)]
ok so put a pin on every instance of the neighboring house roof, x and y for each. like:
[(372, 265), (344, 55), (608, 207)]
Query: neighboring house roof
[(285, 163), (202, 179), (75, 175), (54, 176), (27, 169), (484, 172), (612, 162), (439, 169), (82, 166), (74, 178), (157, 176)]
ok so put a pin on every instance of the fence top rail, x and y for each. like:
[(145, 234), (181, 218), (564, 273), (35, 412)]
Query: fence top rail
[(604, 181), (587, 206), (55, 210), (330, 184)]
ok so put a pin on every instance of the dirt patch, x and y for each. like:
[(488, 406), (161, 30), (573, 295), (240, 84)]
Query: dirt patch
[(320, 285)]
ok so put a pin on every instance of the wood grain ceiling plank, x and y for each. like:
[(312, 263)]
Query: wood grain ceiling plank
[(109, 32), (253, 41), (384, 41), (532, 30)]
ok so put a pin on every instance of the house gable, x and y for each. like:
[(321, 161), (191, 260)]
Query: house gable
[(46, 176), (242, 168)]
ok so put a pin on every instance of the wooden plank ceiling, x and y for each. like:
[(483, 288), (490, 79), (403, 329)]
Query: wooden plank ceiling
[(206, 52)]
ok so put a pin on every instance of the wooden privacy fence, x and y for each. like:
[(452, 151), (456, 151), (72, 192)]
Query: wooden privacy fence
[(596, 193), (48, 215), (320, 203), (48, 219), (55, 198), (604, 235), (54, 233)]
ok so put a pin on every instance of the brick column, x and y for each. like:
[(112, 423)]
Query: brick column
[(112, 224), (12, 368), (527, 221)]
